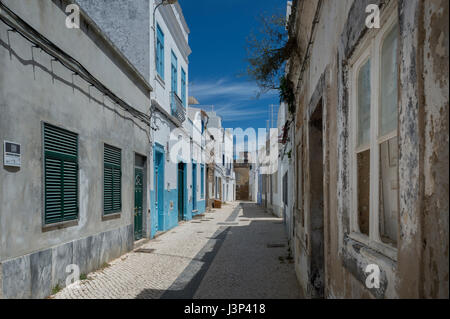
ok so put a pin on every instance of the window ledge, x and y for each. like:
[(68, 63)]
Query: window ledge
[(356, 256), (111, 216), (160, 80), (383, 249), (60, 225)]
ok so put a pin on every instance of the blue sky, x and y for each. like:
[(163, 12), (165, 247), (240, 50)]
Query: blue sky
[(218, 36)]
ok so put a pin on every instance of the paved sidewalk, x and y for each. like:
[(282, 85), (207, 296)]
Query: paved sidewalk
[(238, 251)]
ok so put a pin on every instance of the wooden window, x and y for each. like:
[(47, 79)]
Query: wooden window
[(60, 174), (174, 73), (374, 118), (160, 52), (387, 139), (363, 149), (112, 180), (183, 89)]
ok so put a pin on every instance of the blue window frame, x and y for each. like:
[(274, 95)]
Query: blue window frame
[(174, 73), (174, 80), (183, 87), (160, 52)]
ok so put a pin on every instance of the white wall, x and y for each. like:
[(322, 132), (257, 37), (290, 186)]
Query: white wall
[(176, 39)]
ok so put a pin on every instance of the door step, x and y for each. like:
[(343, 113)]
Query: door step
[(159, 233), (144, 250), (140, 242)]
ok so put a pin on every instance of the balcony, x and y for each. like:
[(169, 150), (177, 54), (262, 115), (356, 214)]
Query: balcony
[(177, 107)]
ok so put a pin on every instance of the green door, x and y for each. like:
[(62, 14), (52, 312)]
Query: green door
[(138, 189)]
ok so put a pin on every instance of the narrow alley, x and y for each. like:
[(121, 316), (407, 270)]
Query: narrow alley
[(221, 150), (238, 251)]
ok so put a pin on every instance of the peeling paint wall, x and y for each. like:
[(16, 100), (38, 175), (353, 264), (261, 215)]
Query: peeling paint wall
[(420, 267), (436, 147)]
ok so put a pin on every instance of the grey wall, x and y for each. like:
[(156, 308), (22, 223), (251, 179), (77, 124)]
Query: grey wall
[(34, 90), (127, 24)]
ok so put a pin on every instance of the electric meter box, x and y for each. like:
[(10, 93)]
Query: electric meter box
[(11, 154)]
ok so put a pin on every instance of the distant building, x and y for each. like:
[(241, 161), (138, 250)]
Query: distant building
[(242, 173), (198, 119), (246, 177), (221, 178)]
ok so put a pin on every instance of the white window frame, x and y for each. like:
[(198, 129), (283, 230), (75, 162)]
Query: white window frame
[(371, 48)]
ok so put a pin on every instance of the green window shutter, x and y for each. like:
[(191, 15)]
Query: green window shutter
[(60, 174), (112, 180)]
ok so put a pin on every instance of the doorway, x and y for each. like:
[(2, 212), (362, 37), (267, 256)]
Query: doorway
[(159, 187), (316, 201), (138, 201), (181, 190), (194, 187)]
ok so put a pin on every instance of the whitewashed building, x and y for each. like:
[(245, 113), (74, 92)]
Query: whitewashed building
[(171, 190), (220, 140), (197, 120)]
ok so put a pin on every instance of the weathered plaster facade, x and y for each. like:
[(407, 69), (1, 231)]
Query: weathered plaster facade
[(37, 89), (329, 33)]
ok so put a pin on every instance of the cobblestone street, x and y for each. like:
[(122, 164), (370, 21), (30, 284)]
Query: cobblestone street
[(239, 251)]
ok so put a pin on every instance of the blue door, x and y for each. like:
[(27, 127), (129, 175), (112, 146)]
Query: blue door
[(194, 187), (159, 188), (181, 191)]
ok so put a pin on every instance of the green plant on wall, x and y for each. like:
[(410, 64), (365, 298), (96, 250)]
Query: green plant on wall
[(267, 54), (286, 91)]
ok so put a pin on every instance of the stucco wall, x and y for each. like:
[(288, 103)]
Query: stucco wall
[(169, 24), (127, 24), (34, 90), (420, 268), (436, 146)]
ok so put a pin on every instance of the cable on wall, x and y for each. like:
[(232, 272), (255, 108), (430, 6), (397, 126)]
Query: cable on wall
[(37, 40)]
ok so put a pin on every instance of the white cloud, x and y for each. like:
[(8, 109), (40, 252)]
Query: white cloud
[(232, 112), (223, 89), (229, 99)]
